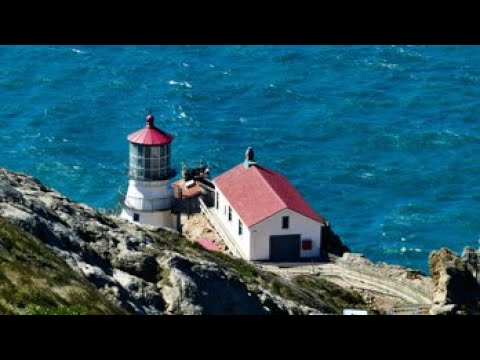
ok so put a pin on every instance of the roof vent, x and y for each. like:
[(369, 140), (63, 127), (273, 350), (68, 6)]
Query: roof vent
[(249, 158), (150, 119)]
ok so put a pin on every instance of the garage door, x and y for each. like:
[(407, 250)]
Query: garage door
[(285, 248)]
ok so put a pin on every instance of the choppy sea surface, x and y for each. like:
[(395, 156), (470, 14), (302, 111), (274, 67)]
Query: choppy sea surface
[(384, 141)]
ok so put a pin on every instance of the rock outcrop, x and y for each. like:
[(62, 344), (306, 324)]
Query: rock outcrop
[(456, 289), (33, 280), (331, 242), (144, 271)]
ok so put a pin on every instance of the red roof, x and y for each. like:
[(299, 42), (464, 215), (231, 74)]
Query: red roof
[(257, 193), (186, 192), (150, 135)]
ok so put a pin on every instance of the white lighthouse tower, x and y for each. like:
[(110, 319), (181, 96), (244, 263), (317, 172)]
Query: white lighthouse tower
[(149, 196)]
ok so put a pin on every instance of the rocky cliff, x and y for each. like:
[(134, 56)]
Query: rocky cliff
[(148, 271), (456, 288)]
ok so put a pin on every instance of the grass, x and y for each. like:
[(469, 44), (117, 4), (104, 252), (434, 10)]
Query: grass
[(33, 280), (55, 310), (335, 297), (164, 277), (243, 268)]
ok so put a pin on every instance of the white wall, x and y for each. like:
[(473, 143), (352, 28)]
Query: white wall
[(149, 195), (255, 242), (299, 224), (243, 240), (158, 218)]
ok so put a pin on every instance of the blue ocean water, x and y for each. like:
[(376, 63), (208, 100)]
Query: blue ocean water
[(381, 140)]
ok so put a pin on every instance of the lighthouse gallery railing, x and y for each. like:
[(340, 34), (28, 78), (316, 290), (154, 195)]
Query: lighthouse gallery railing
[(145, 205)]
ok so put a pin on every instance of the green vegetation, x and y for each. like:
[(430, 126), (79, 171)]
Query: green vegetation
[(33, 280), (279, 288), (58, 310), (335, 297), (243, 268)]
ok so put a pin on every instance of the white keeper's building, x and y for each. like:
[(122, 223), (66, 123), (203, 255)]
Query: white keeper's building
[(265, 215)]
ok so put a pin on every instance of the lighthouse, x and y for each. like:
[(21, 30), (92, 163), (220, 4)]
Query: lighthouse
[(149, 196)]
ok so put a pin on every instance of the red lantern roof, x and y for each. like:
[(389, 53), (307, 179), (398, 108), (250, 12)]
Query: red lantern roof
[(257, 193), (150, 135)]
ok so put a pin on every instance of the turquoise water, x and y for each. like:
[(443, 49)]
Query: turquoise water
[(381, 140)]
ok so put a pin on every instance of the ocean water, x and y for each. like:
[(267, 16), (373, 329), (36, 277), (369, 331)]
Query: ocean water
[(384, 141)]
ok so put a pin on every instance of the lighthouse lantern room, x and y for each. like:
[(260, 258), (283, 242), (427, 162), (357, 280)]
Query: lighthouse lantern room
[(149, 196)]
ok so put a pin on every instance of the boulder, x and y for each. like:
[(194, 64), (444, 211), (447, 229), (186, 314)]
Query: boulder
[(137, 263), (200, 288), (450, 309), (453, 280), (331, 242), (472, 258)]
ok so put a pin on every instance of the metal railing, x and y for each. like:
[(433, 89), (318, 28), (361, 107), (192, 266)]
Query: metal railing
[(416, 309), (171, 173), (220, 229), (396, 283), (363, 276)]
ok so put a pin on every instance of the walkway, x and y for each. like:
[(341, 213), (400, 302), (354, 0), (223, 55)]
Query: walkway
[(415, 298), (220, 229)]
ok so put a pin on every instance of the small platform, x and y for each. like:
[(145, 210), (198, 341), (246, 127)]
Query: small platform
[(208, 244), (181, 191)]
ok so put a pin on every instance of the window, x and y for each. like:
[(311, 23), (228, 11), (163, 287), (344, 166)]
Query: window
[(136, 217), (307, 244), (146, 152), (285, 222), (240, 227), (149, 163), (229, 213), (216, 200)]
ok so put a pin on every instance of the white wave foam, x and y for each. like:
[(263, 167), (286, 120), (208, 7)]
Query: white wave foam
[(77, 51), (388, 65), (404, 250), (181, 83), (366, 175)]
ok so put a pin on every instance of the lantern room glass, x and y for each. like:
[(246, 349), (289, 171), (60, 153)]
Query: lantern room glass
[(149, 163)]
